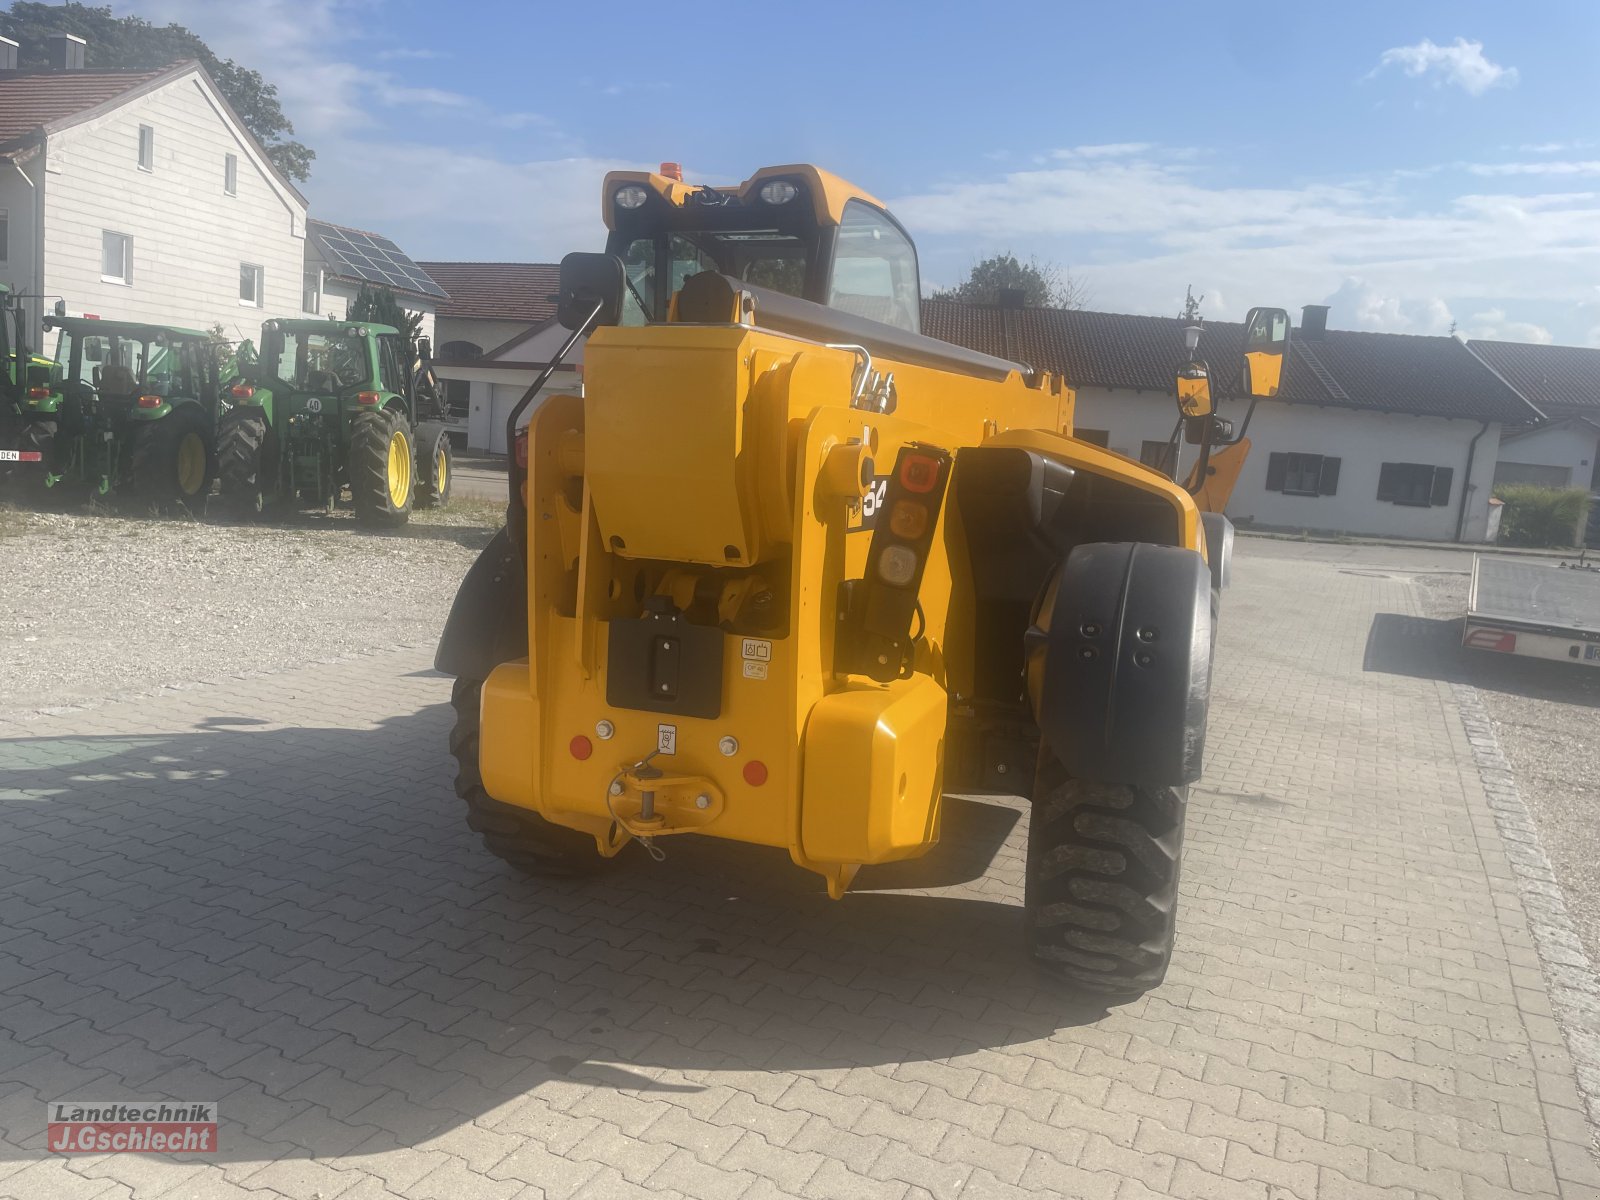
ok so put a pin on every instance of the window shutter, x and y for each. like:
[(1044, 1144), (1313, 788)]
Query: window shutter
[(1277, 469), (1386, 480), (1328, 485), (1441, 485)]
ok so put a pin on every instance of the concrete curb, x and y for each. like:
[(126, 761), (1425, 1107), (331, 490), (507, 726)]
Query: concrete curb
[(1568, 973), (1325, 539)]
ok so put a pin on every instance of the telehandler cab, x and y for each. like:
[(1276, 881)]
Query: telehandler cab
[(329, 405), (788, 571), (129, 408)]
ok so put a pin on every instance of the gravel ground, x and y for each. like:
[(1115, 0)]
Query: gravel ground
[(99, 608), (1547, 720)]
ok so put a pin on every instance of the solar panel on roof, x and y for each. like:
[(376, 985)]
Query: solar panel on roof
[(374, 259)]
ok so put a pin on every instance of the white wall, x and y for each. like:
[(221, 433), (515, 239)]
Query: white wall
[(1567, 445), (1363, 441), (189, 235), (486, 334), (17, 201)]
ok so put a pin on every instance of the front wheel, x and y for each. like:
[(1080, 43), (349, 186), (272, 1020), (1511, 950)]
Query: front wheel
[(380, 467), (242, 460), (1102, 879), (435, 467)]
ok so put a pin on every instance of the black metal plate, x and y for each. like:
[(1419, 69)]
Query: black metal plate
[(661, 663)]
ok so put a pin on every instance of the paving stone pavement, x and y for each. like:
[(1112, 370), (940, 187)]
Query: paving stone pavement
[(261, 892)]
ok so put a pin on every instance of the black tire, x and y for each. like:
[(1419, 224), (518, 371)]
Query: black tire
[(435, 465), (1102, 879), (522, 838), (381, 471), (242, 460), (172, 461)]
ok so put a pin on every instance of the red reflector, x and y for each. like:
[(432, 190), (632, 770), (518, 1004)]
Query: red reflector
[(522, 449), (367, 397), (755, 772), (241, 391), (919, 473), (38, 393), (1492, 639), (149, 401), (581, 747)]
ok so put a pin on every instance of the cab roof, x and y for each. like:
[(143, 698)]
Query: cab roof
[(136, 329), (827, 193), (323, 325)]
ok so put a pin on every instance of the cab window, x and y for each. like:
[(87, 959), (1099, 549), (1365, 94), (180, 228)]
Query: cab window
[(392, 378), (875, 270)]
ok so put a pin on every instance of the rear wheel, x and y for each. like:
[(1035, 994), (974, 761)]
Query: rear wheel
[(241, 460), (380, 467), (434, 465), (521, 837), (171, 464), (1102, 879)]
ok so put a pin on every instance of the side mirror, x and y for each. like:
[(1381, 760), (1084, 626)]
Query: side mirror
[(1266, 349), (60, 308), (587, 280), (1194, 390), (425, 349)]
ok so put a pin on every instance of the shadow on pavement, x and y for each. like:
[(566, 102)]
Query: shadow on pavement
[(296, 922), (1430, 648)]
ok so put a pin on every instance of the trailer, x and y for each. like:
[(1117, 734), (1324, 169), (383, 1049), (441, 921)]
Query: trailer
[(1534, 608)]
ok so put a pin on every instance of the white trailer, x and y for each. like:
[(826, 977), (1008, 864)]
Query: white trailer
[(1535, 608)]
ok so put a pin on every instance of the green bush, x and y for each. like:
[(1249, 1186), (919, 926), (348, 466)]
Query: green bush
[(1541, 516)]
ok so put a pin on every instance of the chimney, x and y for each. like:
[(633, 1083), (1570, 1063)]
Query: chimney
[(8, 54), (1314, 322), (1009, 297), (66, 51)]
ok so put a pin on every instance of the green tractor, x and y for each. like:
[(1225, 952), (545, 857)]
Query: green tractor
[(128, 408), (19, 371), (327, 406)]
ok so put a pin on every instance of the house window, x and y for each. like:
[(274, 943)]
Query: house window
[(1415, 484), (147, 148), (1157, 455), (1538, 474), (1095, 437), (458, 398), (311, 292), (116, 257), (230, 174), (460, 351), (250, 284), (1303, 474)]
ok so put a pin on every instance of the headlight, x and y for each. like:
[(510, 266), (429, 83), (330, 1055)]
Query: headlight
[(778, 191), (631, 195)]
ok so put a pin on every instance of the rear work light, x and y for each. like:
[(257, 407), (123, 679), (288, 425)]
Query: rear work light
[(367, 397), (241, 391), (149, 401), (38, 393)]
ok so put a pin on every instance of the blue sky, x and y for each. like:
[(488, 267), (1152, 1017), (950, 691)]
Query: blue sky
[(1413, 164)]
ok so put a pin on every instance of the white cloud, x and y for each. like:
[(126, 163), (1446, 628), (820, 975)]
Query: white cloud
[(1491, 325), (1462, 63), (1108, 150), (1555, 167)]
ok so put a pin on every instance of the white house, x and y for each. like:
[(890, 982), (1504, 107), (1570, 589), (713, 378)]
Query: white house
[(1371, 433), (140, 195), (495, 333), (1563, 382)]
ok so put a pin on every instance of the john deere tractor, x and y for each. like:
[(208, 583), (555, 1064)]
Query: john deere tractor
[(788, 571), (327, 407), (128, 409)]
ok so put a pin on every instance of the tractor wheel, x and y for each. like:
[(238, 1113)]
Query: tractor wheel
[(380, 467), (242, 460), (435, 467), (522, 838), (171, 464), (1102, 879)]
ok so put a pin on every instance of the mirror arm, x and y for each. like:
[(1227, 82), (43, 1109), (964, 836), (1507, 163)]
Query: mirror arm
[(517, 513)]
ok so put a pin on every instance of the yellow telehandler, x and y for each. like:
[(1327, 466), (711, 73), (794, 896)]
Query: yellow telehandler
[(789, 571)]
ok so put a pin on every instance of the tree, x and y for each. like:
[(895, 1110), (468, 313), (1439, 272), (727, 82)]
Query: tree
[(132, 43), (1043, 284), (380, 305)]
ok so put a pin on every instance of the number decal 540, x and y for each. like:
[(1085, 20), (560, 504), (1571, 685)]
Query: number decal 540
[(871, 502)]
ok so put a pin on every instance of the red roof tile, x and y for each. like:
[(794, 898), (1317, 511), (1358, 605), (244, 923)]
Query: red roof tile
[(497, 290), (31, 101), (1428, 376)]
